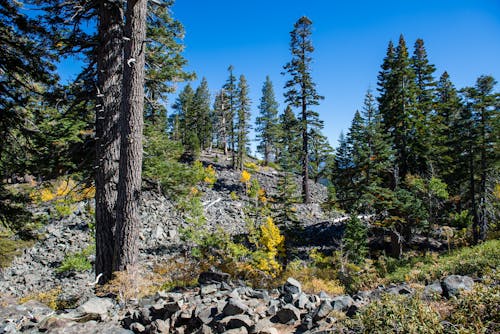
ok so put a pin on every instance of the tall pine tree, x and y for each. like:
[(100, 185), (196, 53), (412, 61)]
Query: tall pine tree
[(301, 90), (267, 122)]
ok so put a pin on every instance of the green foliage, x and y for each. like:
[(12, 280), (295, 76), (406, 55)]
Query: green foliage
[(476, 261), (476, 311), (10, 248), (267, 127), (77, 261), (356, 240), (400, 314)]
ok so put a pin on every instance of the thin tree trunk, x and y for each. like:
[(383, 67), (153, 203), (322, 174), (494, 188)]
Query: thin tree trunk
[(129, 186), (109, 74), (305, 157)]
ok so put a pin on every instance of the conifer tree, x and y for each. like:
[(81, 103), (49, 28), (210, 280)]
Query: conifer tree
[(184, 115), (243, 127), (343, 174), (320, 156), (355, 240), (301, 90), (230, 97), (267, 122), (289, 141), (202, 112), (220, 121), (397, 105)]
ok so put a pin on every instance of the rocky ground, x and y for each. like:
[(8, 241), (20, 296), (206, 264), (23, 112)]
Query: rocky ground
[(35, 269), (216, 305)]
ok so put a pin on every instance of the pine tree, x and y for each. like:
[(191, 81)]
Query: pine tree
[(343, 174), (397, 105), (267, 122), (289, 141), (425, 91), (301, 90), (184, 115), (321, 154), (202, 112), (446, 141), (230, 98), (220, 121), (356, 240), (243, 127)]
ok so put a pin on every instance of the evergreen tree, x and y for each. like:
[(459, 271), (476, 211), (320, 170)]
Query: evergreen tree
[(243, 128), (446, 141), (482, 127), (321, 153), (397, 105), (267, 122), (184, 115), (356, 240), (230, 97), (220, 121), (425, 91), (202, 112), (375, 161), (343, 174), (289, 141), (301, 90)]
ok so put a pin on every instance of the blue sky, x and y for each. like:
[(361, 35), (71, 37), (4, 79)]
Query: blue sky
[(350, 37)]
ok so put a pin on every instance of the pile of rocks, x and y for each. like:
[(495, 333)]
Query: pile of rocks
[(217, 305)]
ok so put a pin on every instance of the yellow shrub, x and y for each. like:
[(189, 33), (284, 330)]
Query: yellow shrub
[(210, 175), (251, 166), (66, 189), (245, 177), (49, 298), (271, 243)]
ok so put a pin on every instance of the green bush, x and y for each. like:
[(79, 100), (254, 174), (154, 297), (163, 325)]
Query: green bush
[(477, 311), (77, 261), (397, 314), (475, 261)]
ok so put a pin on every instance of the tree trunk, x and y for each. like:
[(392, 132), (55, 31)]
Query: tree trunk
[(129, 185), (109, 76)]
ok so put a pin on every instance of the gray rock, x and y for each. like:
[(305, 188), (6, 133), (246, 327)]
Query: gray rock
[(302, 301), (208, 289), (96, 308), (292, 286), (342, 303), (323, 310), (454, 283), (433, 290), (137, 328), (234, 306), (159, 326), (237, 321), (289, 314), (208, 277)]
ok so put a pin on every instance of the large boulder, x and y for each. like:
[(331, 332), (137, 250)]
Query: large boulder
[(453, 284)]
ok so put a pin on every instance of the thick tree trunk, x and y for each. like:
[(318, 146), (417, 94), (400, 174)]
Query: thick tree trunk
[(131, 120), (109, 73)]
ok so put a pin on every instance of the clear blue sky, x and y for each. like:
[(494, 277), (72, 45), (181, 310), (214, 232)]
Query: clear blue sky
[(350, 37)]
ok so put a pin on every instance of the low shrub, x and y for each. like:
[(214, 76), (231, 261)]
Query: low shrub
[(77, 261)]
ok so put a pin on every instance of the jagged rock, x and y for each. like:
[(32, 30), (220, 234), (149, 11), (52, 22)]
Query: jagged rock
[(234, 306), (237, 321), (323, 310), (159, 326), (205, 314), (95, 308), (454, 283), (433, 290), (289, 314), (137, 328), (292, 286), (342, 303), (264, 326), (208, 289), (208, 277)]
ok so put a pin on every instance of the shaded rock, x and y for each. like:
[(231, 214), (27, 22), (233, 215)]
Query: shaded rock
[(208, 277), (323, 310), (433, 290), (137, 328), (342, 303), (237, 321), (454, 283), (234, 306), (96, 308), (289, 314), (159, 326), (292, 286)]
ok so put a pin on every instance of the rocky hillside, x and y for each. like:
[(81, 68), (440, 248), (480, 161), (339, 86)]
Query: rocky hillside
[(36, 269)]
